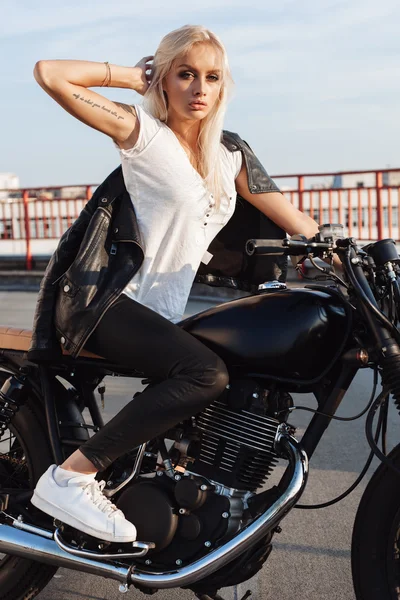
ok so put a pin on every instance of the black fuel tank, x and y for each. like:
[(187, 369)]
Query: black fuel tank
[(290, 334)]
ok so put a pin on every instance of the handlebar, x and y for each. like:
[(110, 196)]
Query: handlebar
[(288, 247), (381, 252)]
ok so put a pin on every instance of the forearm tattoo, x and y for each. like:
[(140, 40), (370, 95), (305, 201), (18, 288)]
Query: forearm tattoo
[(125, 107)]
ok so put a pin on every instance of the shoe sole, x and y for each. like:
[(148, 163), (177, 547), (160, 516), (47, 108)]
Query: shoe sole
[(58, 513)]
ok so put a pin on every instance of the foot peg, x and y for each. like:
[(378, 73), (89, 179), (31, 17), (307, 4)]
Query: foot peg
[(142, 550)]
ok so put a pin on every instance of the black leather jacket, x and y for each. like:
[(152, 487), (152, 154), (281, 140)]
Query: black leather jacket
[(102, 250)]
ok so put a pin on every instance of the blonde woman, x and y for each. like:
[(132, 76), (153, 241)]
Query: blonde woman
[(182, 182)]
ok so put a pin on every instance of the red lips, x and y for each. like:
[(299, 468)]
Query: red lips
[(197, 102)]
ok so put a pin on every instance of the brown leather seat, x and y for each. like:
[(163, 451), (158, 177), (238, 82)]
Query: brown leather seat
[(13, 338)]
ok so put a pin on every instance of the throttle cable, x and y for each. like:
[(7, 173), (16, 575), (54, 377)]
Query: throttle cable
[(371, 455)]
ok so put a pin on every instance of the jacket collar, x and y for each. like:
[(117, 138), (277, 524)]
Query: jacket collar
[(231, 141)]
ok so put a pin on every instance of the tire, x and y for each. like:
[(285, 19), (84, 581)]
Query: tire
[(30, 454), (375, 551)]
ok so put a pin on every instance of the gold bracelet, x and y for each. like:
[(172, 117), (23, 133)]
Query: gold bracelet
[(104, 80), (107, 79)]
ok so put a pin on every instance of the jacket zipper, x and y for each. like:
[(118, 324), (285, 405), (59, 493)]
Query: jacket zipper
[(98, 208), (107, 306), (113, 251), (58, 278)]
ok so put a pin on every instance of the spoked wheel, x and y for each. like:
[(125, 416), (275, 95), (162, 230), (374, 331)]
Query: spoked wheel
[(393, 561), (14, 472), (24, 456), (376, 536)]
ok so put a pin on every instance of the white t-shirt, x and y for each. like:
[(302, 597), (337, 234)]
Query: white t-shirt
[(175, 213)]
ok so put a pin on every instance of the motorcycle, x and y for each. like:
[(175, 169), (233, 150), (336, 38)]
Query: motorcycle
[(199, 494)]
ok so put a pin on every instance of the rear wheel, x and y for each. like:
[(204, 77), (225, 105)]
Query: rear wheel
[(24, 455), (376, 536)]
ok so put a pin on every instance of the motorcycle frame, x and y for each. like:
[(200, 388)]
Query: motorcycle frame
[(87, 373), (40, 380)]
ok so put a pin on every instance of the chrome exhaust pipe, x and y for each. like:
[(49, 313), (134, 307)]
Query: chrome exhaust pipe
[(38, 544)]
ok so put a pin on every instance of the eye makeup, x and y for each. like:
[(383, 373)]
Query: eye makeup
[(188, 74)]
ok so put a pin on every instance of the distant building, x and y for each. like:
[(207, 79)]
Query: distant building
[(8, 181), (78, 191), (361, 180), (391, 179)]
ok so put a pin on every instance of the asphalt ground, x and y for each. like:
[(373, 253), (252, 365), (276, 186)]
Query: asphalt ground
[(311, 557)]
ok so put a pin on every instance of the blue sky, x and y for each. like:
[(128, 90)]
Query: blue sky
[(317, 81)]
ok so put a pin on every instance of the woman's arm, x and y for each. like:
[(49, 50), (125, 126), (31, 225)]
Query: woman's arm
[(281, 211), (67, 82), (278, 208)]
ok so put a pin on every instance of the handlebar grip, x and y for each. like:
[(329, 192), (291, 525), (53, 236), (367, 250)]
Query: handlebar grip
[(265, 247)]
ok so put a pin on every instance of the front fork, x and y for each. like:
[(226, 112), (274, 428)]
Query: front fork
[(329, 405)]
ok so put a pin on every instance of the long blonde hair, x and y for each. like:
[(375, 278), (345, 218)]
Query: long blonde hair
[(172, 46)]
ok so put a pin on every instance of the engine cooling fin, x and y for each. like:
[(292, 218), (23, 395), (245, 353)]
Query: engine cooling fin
[(239, 443)]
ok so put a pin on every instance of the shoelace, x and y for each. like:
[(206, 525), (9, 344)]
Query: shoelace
[(94, 490)]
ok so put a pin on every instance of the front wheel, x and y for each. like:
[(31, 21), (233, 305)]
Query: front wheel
[(376, 536), (24, 455)]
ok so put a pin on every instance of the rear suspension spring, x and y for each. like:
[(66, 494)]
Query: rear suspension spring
[(12, 397)]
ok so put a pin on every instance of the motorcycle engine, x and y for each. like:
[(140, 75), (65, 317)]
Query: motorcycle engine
[(221, 458)]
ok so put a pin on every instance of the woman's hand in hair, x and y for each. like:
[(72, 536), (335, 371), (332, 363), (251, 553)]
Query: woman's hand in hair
[(143, 79)]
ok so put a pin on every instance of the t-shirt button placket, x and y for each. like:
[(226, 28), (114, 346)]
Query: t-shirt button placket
[(210, 205)]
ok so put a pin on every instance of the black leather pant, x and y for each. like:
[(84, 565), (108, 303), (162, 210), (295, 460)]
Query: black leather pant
[(190, 377)]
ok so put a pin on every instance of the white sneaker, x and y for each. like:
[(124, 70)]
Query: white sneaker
[(82, 505)]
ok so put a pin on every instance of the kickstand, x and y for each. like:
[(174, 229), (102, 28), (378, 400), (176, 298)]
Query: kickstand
[(218, 597)]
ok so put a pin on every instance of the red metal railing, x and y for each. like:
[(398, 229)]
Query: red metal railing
[(35, 214), (368, 212)]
